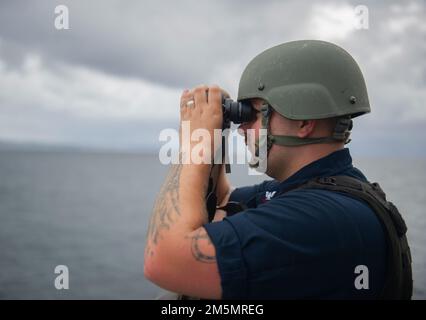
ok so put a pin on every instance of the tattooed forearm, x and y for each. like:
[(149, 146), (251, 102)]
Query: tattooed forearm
[(197, 242), (166, 209), (183, 191)]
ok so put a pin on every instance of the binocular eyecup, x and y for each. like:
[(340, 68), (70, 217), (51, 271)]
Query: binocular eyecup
[(237, 111)]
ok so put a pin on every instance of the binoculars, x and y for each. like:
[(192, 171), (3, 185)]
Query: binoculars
[(237, 111)]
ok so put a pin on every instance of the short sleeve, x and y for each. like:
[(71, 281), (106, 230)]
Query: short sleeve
[(229, 259)]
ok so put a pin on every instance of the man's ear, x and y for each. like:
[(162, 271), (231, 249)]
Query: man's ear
[(306, 127)]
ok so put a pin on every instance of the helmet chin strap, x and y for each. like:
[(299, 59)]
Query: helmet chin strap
[(341, 133)]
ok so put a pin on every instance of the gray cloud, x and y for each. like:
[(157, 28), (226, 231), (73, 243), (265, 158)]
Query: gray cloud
[(90, 76), (176, 43)]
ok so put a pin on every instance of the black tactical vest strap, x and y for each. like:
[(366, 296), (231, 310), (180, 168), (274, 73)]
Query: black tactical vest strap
[(398, 278)]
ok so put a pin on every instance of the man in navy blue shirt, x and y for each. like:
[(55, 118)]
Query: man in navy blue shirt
[(287, 243), (300, 244)]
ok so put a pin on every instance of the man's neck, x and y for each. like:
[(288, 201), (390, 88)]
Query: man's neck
[(305, 155)]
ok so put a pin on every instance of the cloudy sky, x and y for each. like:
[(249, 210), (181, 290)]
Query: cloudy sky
[(113, 79)]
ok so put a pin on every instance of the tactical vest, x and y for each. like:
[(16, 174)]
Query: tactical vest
[(398, 279)]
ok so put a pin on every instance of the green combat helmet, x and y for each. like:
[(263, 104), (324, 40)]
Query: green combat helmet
[(306, 80)]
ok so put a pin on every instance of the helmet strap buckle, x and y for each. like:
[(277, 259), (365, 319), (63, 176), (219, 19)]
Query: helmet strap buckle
[(343, 129)]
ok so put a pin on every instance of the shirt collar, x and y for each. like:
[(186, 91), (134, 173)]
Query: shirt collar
[(333, 164)]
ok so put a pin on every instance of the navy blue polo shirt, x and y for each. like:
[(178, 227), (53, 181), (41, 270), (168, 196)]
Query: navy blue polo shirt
[(302, 243)]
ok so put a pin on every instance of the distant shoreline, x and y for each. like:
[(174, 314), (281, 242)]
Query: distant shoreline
[(7, 146)]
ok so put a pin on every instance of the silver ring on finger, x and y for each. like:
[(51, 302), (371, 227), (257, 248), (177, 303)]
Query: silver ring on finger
[(190, 104)]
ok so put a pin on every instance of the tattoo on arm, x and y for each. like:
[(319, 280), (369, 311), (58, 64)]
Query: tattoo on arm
[(166, 209), (199, 240)]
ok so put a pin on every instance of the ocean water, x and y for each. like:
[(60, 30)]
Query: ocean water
[(89, 211)]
